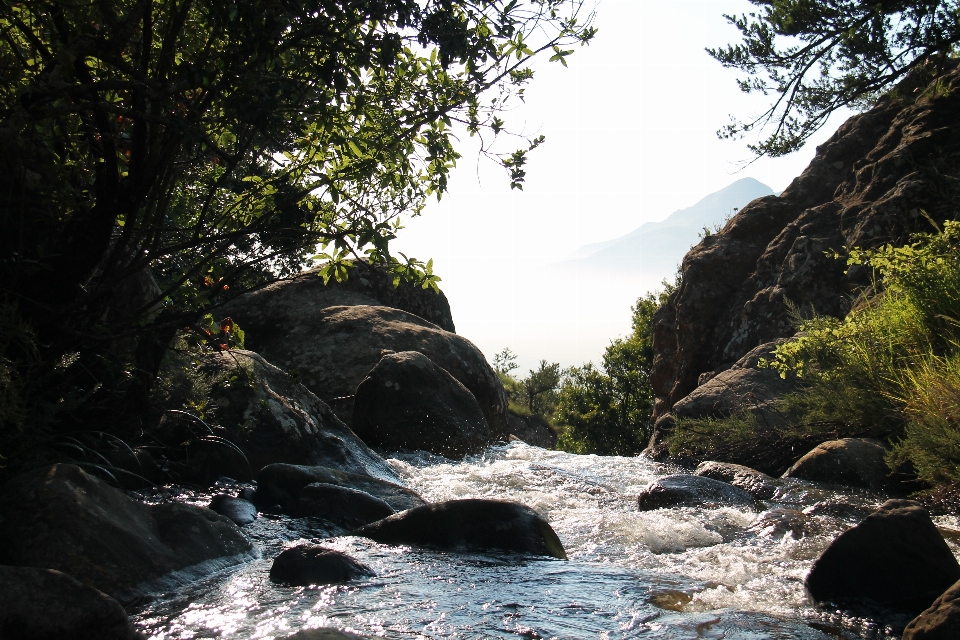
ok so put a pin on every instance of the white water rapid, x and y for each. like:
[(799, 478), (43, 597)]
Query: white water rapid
[(672, 573)]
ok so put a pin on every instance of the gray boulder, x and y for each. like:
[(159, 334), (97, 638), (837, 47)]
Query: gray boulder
[(469, 524), (855, 462), (281, 484), (778, 522), (44, 604), (895, 558), (332, 349), (684, 490), (341, 506), (756, 483), (308, 564), (533, 430), (58, 517), (237, 509), (941, 621), (408, 402)]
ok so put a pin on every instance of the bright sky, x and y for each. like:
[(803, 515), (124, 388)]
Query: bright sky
[(631, 137)]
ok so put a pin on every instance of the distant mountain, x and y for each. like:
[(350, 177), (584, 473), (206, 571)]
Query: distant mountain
[(657, 247)]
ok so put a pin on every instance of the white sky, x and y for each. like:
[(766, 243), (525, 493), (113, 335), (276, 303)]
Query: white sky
[(631, 137)]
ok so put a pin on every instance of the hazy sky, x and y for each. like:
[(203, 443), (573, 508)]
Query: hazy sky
[(631, 137)]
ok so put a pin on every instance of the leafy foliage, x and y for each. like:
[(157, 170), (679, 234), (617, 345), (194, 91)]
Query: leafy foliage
[(539, 387), (817, 56)]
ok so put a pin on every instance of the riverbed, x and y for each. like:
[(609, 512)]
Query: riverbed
[(671, 573)]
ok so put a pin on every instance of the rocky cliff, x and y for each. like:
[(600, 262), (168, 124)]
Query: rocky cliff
[(869, 184)]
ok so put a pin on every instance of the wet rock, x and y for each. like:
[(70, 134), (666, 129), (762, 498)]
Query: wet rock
[(853, 462), (237, 509), (469, 524), (308, 564), (43, 604), (328, 634), (333, 349), (756, 483), (683, 490), (407, 402), (895, 557), (835, 508), (776, 523), (281, 484), (58, 517), (342, 506), (940, 622), (533, 430), (269, 417)]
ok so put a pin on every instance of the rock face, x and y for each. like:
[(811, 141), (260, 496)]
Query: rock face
[(684, 490), (757, 484), (469, 524), (895, 557), (342, 506), (272, 418), (408, 402), (282, 484), (283, 304), (58, 517), (866, 186), (43, 604), (308, 564), (854, 462), (532, 430), (332, 349), (941, 621)]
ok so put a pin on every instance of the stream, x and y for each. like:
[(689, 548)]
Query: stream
[(672, 573)]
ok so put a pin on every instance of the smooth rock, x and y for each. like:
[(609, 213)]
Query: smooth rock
[(776, 523), (756, 483), (895, 557), (58, 517), (237, 509), (469, 524), (44, 604), (342, 506), (270, 418), (281, 484), (853, 462), (407, 402), (683, 490), (332, 350), (939, 622), (308, 564)]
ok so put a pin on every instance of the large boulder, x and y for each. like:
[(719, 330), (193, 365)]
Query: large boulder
[(332, 349), (408, 402), (941, 621), (58, 517), (469, 524), (308, 564), (895, 557), (344, 507), (281, 484), (855, 462), (269, 417), (756, 483), (43, 604), (684, 490), (533, 430), (241, 511)]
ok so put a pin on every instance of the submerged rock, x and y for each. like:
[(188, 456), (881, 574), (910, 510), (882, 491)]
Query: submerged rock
[(941, 621), (895, 557), (408, 402), (469, 524), (308, 564), (237, 509), (325, 633), (58, 517), (854, 462), (756, 483), (44, 604), (342, 506), (683, 490), (778, 522), (280, 484)]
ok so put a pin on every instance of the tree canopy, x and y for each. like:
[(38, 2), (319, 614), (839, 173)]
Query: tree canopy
[(158, 157), (817, 56)]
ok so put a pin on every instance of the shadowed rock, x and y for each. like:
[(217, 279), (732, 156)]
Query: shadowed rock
[(683, 490), (237, 509), (941, 621), (328, 634), (469, 524), (854, 462), (308, 564), (342, 506)]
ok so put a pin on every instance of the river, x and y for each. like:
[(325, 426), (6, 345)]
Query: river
[(672, 573)]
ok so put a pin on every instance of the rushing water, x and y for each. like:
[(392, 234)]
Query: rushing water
[(672, 573)]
